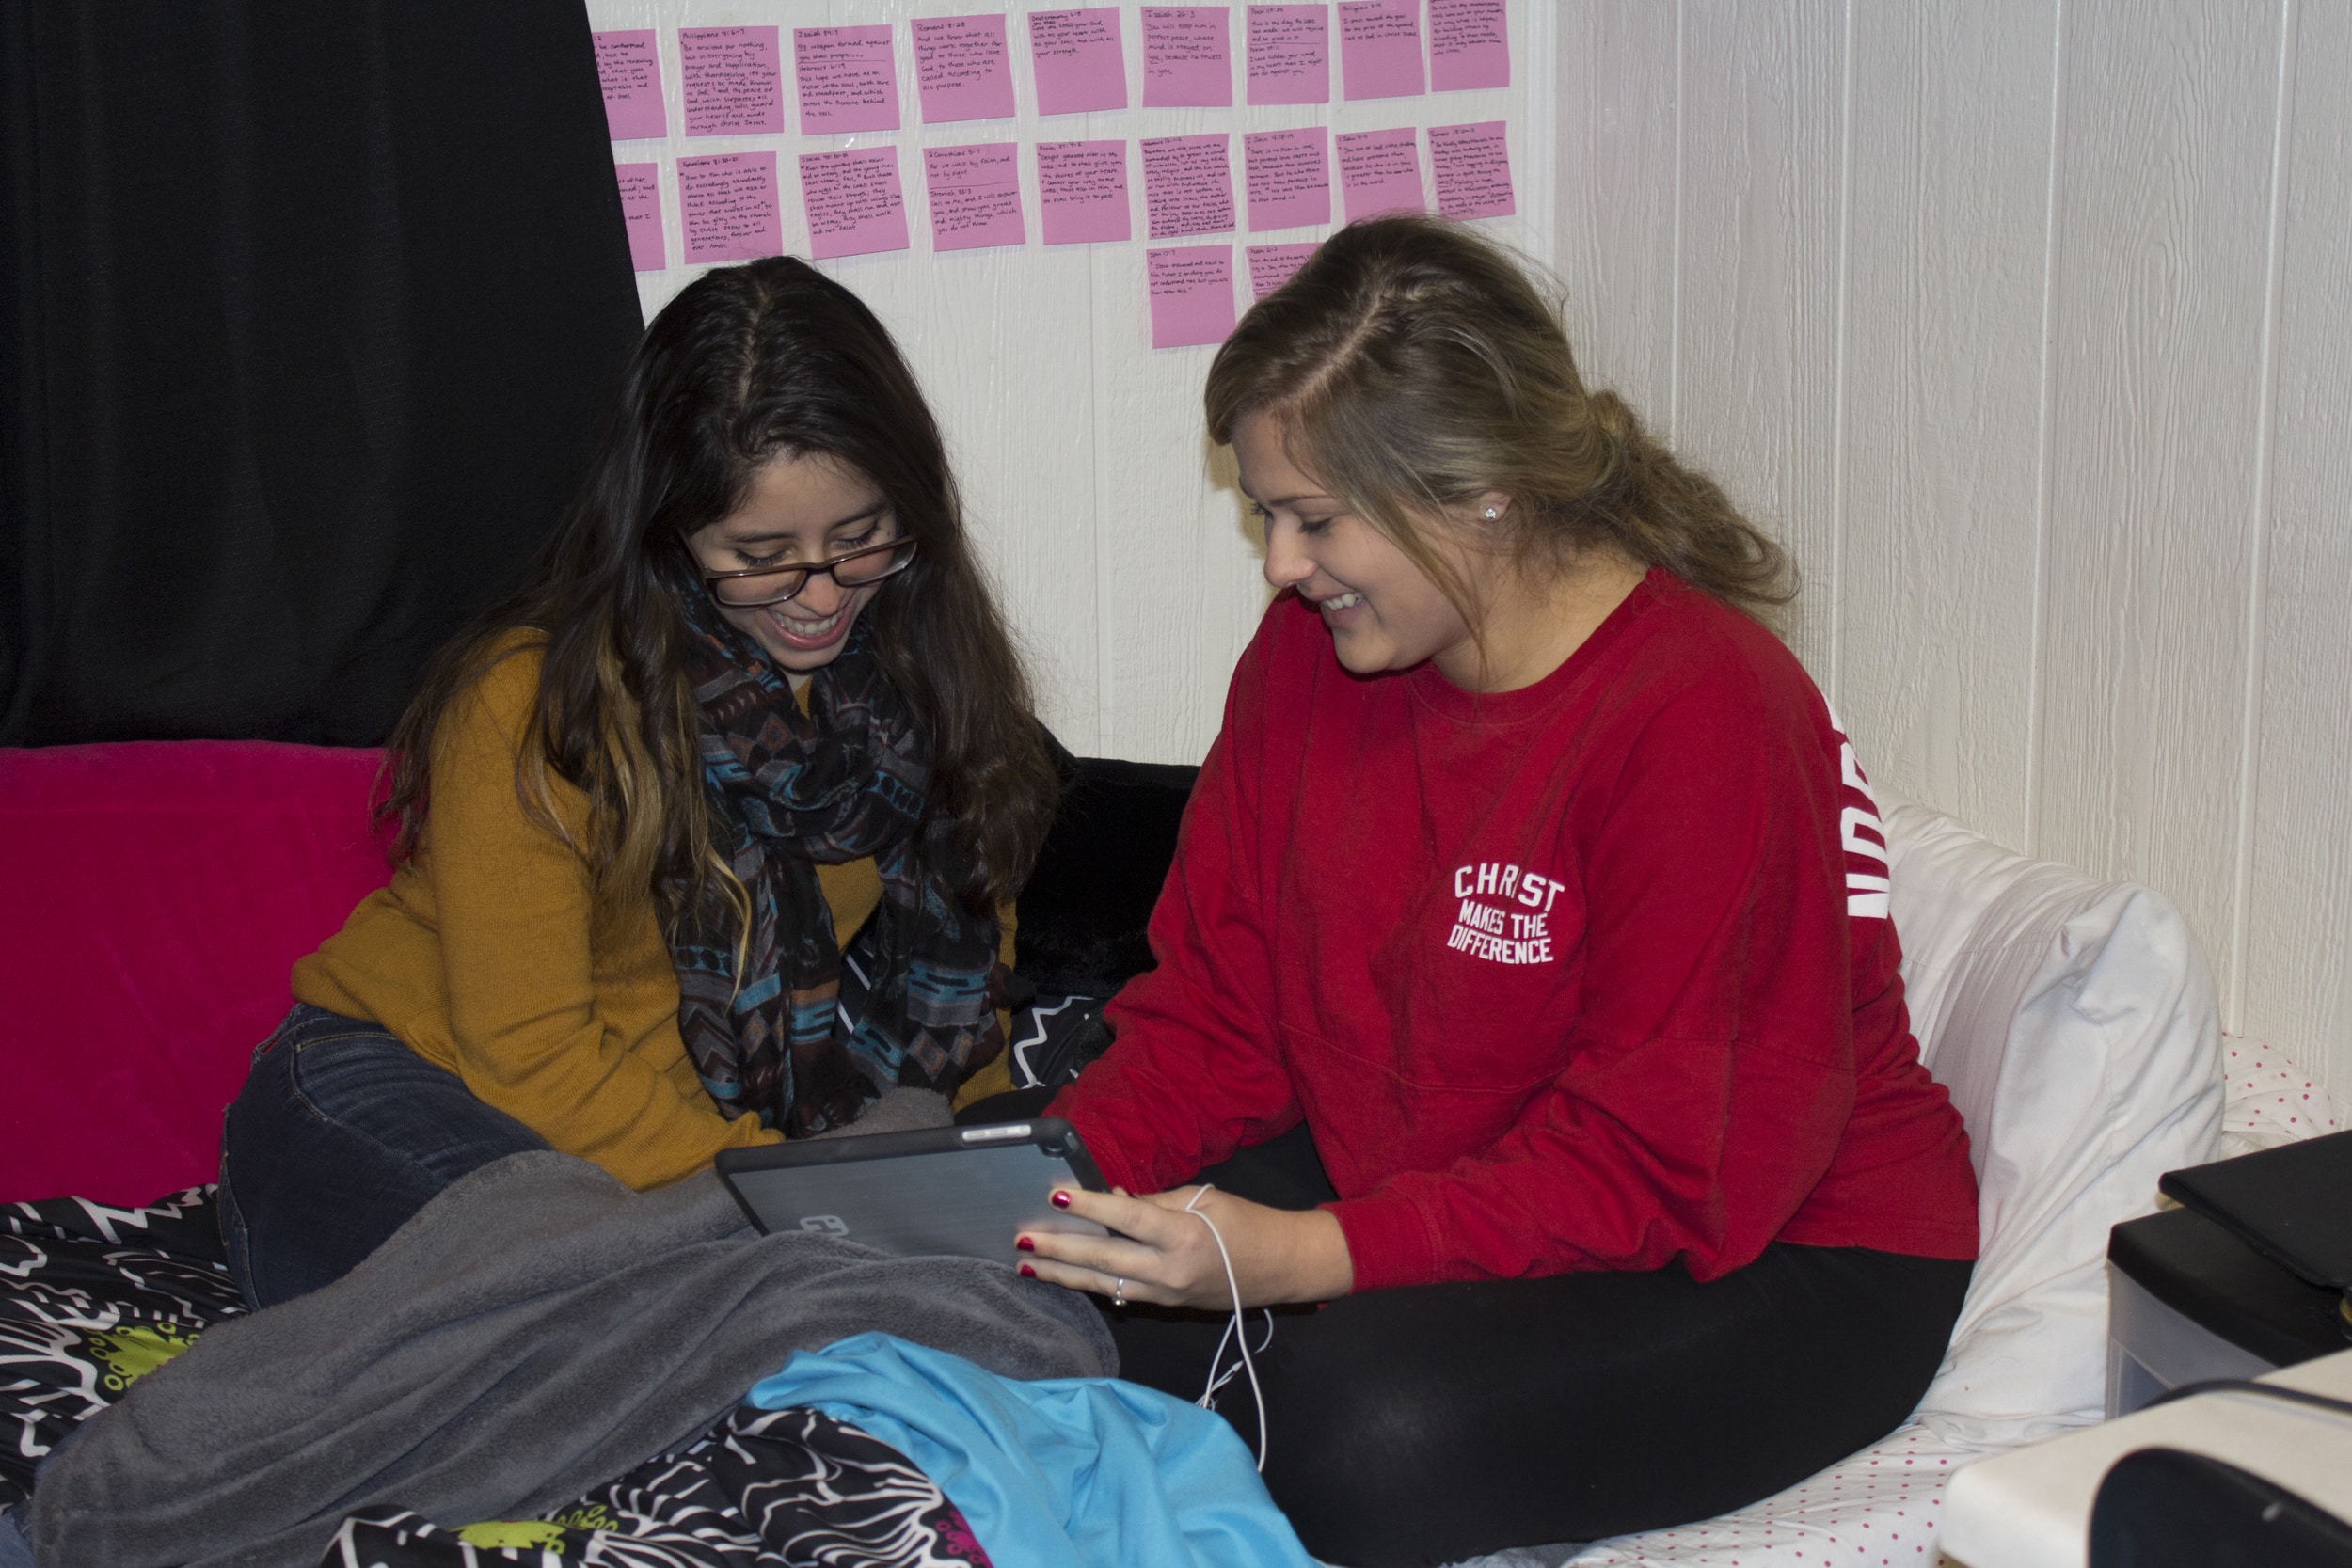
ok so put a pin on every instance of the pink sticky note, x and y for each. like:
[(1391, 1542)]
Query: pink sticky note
[(1192, 294), (1470, 46), (1290, 53), (1380, 49), (1077, 59), (1082, 191), (961, 69), (640, 209), (847, 79), (734, 84), (1470, 166), (1288, 174), (1271, 265), (1187, 186), (1188, 57), (1380, 173), (976, 195), (729, 204), (852, 201), (630, 66)]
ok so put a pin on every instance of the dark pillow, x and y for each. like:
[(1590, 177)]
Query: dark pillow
[(1083, 911)]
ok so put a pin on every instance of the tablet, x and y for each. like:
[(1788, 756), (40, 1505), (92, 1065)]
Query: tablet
[(962, 1192)]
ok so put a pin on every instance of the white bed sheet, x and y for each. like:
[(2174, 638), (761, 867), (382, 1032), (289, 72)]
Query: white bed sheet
[(1882, 1508)]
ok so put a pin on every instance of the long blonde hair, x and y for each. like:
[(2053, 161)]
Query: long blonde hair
[(1414, 366)]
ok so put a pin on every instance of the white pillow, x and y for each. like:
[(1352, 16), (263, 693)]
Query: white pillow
[(2074, 1024)]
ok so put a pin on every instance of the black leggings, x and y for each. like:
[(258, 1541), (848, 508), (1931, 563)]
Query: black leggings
[(1434, 1422)]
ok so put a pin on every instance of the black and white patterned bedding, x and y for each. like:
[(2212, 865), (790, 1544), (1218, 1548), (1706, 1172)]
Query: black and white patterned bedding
[(93, 1297)]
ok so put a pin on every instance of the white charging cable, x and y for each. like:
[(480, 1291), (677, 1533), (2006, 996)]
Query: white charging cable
[(1217, 1380), (1233, 1332)]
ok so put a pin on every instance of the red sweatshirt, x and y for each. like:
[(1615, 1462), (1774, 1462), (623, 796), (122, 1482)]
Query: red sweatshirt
[(1587, 975)]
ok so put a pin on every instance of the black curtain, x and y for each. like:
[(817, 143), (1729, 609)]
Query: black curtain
[(313, 308)]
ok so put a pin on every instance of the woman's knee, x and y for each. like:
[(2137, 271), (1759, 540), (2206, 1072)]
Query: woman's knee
[(339, 1136), (1377, 1451)]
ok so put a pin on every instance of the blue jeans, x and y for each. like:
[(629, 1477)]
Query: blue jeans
[(16, 1550), (340, 1134)]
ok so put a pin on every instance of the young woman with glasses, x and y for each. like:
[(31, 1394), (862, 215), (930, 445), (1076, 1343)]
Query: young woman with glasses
[(1526, 986), (704, 839)]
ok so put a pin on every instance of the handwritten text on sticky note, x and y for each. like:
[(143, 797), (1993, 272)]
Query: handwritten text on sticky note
[(961, 69), (640, 209), (1380, 48), (1187, 185), (1188, 57), (730, 208), (1470, 166), (1380, 173), (1288, 175), (1470, 46), (847, 79), (732, 81), (975, 195), (1192, 294), (1271, 266), (1082, 191), (852, 201), (1077, 60), (1290, 53), (629, 68)]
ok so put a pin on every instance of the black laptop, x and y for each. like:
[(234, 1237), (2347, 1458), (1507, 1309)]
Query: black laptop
[(2292, 1204)]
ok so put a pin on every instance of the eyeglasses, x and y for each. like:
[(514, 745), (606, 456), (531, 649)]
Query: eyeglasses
[(765, 585)]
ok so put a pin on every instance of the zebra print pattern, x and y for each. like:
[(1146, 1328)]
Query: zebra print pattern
[(765, 1489), (92, 1296)]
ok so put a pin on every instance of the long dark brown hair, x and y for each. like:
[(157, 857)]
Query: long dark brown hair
[(766, 360), (1413, 366)]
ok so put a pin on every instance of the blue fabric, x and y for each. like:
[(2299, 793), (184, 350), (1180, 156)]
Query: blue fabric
[(1060, 1473), (340, 1134)]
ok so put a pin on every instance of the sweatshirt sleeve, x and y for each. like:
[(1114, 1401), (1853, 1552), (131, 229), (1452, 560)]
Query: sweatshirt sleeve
[(1709, 1073), (1195, 1071), (514, 902)]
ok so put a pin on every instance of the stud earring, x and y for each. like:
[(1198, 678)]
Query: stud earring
[(1491, 515)]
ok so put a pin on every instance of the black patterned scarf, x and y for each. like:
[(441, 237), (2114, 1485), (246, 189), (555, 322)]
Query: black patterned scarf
[(802, 1033)]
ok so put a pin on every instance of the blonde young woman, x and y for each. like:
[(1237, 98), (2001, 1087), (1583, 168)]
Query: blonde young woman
[(704, 837), (1527, 952)]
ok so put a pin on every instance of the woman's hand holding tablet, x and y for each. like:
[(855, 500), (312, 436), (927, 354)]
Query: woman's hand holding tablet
[(1164, 1254)]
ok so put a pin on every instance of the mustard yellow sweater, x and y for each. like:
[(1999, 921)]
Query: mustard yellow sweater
[(480, 956)]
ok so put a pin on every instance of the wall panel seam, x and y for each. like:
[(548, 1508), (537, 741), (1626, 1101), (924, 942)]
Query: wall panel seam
[(2258, 531), (1674, 303), (1105, 651), (1835, 670), (2044, 469)]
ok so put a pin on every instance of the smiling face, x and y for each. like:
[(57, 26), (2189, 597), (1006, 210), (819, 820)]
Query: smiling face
[(1383, 611), (799, 510)]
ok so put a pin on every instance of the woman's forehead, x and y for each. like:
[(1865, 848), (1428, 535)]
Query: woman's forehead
[(1265, 446), (813, 492)]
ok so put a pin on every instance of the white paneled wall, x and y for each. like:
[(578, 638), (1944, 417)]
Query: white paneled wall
[(1115, 533), (2028, 324)]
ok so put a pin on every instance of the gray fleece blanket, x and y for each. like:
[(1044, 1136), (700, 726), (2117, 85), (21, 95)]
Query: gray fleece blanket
[(535, 1330)]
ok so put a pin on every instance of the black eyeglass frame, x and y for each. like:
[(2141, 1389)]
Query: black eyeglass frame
[(811, 570)]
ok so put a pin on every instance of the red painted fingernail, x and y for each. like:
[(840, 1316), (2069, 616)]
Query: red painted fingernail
[(1061, 1200), (1028, 1272), (1026, 1244)]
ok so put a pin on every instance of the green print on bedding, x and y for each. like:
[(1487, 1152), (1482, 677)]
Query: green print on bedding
[(92, 1298)]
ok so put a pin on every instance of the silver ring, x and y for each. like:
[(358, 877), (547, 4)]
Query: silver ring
[(1118, 1292)]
